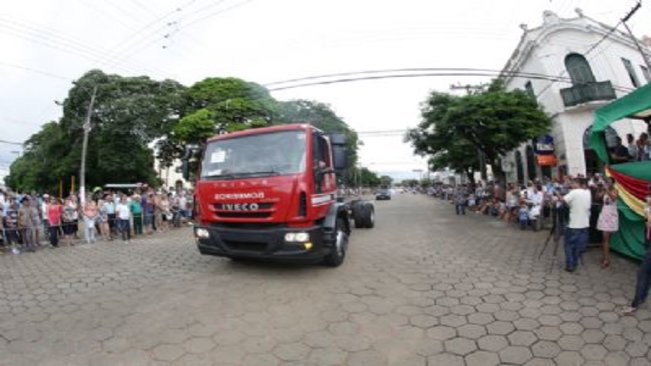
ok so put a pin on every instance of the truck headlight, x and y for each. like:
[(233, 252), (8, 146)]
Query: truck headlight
[(202, 233), (302, 237), (297, 237)]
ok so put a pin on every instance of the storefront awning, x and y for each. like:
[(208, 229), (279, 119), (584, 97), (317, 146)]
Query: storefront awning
[(636, 104)]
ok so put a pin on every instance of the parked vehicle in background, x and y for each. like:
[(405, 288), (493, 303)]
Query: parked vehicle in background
[(383, 194)]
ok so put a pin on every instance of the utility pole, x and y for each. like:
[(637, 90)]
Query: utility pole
[(84, 148), (482, 159), (637, 44)]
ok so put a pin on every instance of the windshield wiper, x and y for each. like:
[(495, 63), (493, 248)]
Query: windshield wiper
[(259, 173), (218, 176)]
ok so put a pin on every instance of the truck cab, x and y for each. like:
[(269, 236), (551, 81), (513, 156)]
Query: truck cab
[(270, 193)]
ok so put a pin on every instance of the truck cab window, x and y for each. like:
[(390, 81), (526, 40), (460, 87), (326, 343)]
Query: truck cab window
[(321, 160)]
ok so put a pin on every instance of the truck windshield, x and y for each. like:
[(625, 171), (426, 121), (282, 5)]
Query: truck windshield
[(275, 153)]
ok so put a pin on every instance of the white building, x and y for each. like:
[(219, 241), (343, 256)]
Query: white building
[(598, 64)]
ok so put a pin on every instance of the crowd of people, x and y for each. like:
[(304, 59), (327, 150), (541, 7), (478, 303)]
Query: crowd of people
[(32, 221), (572, 204)]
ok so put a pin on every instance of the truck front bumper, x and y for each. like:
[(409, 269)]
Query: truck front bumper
[(262, 243)]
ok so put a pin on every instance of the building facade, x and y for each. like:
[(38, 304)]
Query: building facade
[(591, 64)]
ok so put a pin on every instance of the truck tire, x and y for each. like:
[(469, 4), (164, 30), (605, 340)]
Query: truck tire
[(369, 216), (358, 214), (338, 253), (365, 217)]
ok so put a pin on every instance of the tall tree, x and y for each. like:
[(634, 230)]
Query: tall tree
[(323, 117), (213, 105), (443, 145), (128, 115), (493, 122)]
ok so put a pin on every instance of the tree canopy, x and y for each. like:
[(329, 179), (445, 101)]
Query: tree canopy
[(493, 121), (129, 113), (324, 118), (135, 117)]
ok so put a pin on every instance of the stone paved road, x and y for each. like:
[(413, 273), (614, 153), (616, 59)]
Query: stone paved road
[(423, 288)]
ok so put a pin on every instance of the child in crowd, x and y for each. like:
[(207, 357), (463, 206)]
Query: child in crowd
[(523, 215)]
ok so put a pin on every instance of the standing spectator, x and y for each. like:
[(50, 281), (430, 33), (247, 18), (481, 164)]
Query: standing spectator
[(633, 150), (26, 224), (74, 202), (165, 212), (608, 222), (136, 212), (152, 211), (460, 200), (123, 215), (109, 207), (44, 208), (68, 221), (644, 273), (37, 218), (579, 200), (11, 224), (620, 153), (54, 212), (103, 220), (89, 217), (644, 147)]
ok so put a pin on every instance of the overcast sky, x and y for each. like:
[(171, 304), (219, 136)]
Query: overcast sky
[(46, 44)]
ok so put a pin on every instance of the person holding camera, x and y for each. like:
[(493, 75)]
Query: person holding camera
[(579, 201)]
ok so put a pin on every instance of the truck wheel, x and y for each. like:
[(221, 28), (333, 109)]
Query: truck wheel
[(366, 216), (338, 253), (370, 217), (358, 215)]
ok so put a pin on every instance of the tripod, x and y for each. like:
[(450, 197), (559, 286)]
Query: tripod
[(559, 221)]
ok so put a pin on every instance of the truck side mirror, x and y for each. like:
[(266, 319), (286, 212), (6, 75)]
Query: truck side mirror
[(340, 158), (190, 150)]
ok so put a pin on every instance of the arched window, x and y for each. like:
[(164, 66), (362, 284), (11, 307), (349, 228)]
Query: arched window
[(579, 69)]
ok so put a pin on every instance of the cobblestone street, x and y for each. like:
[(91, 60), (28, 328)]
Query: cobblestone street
[(424, 287)]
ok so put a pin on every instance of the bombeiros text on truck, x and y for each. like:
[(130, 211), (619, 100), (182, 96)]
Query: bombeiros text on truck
[(271, 193)]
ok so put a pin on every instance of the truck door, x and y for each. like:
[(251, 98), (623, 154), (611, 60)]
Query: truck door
[(322, 161)]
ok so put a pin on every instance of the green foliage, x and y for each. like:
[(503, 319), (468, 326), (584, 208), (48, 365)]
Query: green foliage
[(368, 178), (386, 180), (410, 183), (129, 113), (322, 117), (494, 121), (213, 105)]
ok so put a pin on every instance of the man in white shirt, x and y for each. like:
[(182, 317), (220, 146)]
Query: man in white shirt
[(579, 200), (123, 214)]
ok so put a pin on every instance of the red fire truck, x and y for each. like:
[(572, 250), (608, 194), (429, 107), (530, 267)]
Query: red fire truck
[(271, 193)]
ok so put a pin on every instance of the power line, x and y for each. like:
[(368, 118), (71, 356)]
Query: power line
[(423, 74), (58, 42), (36, 71), (10, 143)]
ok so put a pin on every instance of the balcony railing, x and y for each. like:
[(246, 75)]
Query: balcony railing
[(589, 92)]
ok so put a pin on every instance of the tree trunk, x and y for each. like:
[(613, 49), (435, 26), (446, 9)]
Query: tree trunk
[(500, 177), (471, 177)]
